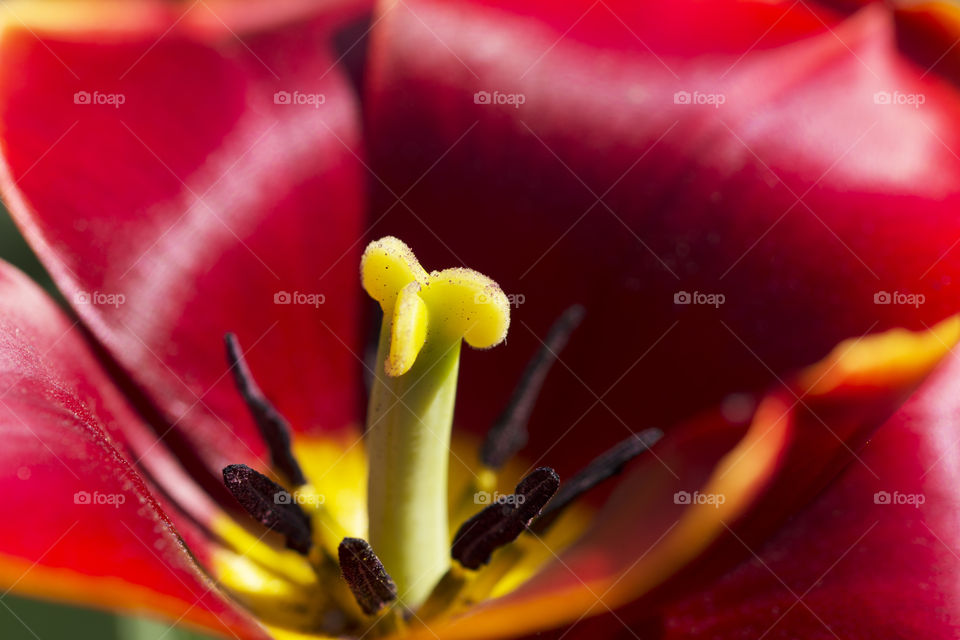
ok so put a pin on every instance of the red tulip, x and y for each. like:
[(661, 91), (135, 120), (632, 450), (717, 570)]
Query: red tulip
[(755, 213)]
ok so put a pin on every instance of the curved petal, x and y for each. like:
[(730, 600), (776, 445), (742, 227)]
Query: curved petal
[(875, 556), (72, 18), (714, 486), (81, 524), (179, 186), (544, 145)]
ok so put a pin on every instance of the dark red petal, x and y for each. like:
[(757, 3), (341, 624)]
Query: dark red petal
[(199, 199), (695, 198), (80, 522), (858, 568), (713, 486)]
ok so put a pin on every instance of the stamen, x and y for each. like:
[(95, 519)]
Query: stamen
[(273, 427), (499, 524), (509, 433), (270, 504), (604, 466), (368, 580)]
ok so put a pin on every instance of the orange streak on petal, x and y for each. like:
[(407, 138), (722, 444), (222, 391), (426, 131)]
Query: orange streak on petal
[(83, 18), (891, 360), (102, 592), (738, 480), (86, 17)]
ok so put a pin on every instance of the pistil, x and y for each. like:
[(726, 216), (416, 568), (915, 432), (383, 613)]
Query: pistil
[(410, 416)]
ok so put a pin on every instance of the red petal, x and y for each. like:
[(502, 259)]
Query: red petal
[(198, 199), (695, 198), (858, 568), (713, 487), (80, 523)]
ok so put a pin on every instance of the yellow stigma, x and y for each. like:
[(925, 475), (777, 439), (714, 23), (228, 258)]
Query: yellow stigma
[(452, 304)]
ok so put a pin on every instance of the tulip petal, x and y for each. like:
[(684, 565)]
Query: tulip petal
[(818, 184), (875, 556), (80, 522), (182, 181), (715, 486)]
